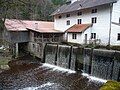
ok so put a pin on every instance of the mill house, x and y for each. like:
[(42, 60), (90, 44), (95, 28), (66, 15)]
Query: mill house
[(30, 35), (77, 21), (89, 21)]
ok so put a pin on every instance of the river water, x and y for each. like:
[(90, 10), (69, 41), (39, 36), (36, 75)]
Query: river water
[(31, 75)]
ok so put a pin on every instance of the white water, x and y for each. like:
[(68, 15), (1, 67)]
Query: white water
[(92, 78), (56, 68), (39, 87)]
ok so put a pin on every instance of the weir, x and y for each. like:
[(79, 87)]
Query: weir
[(87, 54), (65, 68), (102, 63), (96, 62), (73, 58), (63, 56), (116, 67), (50, 53)]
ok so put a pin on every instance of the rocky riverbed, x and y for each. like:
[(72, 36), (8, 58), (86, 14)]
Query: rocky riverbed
[(32, 75)]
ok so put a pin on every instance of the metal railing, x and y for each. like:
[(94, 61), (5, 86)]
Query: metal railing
[(93, 41)]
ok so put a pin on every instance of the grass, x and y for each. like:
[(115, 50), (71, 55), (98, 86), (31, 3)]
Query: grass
[(4, 61), (111, 85)]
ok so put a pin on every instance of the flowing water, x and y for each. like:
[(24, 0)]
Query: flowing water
[(96, 64), (63, 56), (99, 63), (116, 67), (87, 61), (73, 58), (50, 53), (102, 63), (33, 76)]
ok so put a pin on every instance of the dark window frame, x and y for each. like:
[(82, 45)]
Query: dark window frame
[(94, 20), (93, 35), (68, 22), (79, 21), (119, 20), (33, 46), (94, 10), (118, 37), (67, 15), (79, 13), (74, 36), (59, 16)]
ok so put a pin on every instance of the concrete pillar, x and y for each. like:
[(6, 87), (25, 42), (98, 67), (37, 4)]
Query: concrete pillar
[(16, 49)]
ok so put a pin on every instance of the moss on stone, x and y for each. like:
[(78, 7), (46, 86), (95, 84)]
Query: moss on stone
[(111, 85)]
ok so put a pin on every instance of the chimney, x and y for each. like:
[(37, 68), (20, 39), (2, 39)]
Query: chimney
[(36, 26)]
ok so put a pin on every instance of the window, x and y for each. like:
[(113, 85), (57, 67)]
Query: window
[(119, 20), (118, 36), (93, 35), (79, 13), (60, 17), (68, 15), (33, 46), (94, 20), (79, 21), (68, 22), (94, 10), (74, 36)]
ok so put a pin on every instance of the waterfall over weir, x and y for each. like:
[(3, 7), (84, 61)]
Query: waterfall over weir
[(61, 55), (87, 63), (50, 53), (96, 62), (102, 63)]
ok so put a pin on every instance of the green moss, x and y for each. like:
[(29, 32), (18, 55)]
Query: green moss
[(111, 85), (71, 44), (115, 48), (4, 61)]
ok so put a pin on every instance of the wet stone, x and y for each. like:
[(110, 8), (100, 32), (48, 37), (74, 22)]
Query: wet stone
[(34, 76)]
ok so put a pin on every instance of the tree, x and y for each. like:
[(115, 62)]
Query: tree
[(58, 2)]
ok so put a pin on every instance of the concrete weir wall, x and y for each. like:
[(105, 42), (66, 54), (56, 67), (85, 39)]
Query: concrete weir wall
[(102, 63), (61, 55), (87, 62), (96, 62)]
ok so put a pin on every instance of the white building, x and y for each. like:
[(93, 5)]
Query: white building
[(99, 21)]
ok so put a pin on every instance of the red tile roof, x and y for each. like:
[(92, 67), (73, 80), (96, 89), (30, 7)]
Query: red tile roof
[(78, 28), (24, 25), (15, 25)]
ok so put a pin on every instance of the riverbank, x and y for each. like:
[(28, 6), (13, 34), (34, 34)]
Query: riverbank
[(4, 62)]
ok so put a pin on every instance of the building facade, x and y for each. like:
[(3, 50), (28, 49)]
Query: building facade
[(99, 13)]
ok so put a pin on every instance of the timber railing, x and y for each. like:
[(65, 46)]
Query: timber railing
[(56, 39)]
